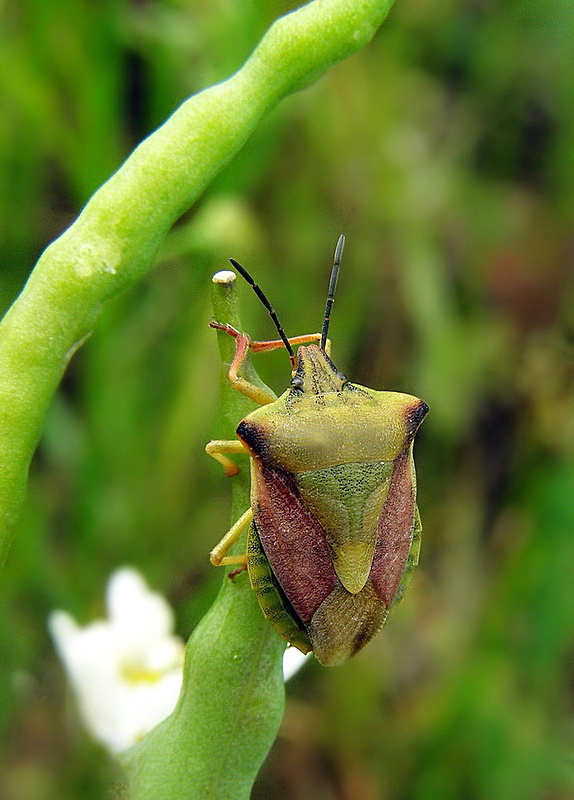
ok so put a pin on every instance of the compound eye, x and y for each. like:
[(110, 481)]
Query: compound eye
[(297, 382)]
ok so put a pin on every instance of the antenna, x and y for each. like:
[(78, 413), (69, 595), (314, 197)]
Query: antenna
[(332, 288), (258, 291)]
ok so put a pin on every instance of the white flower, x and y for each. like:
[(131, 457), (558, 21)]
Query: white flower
[(126, 671)]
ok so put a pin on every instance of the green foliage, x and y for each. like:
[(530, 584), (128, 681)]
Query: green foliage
[(443, 151), (118, 233), (232, 652)]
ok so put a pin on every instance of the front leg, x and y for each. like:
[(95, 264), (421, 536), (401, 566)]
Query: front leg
[(243, 344), (216, 449)]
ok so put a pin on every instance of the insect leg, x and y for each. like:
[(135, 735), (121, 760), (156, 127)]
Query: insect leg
[(243, 345), (274, 344), (271, 344), (217, 447), (259, 347), (218, 555)]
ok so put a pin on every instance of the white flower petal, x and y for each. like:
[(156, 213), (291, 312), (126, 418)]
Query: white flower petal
[(126, 672), (63, 629), (137, 613), (293, 660)]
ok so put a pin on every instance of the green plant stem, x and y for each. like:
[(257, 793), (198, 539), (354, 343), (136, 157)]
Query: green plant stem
[(114, 240), (232, 699)]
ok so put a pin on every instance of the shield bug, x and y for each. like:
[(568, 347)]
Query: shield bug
[(333, 531)]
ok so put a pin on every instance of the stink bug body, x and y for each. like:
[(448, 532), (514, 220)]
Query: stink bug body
[(333, 527)]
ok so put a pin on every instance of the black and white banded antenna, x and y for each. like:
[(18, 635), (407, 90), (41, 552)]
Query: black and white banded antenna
[(332, 288), (261, 295)]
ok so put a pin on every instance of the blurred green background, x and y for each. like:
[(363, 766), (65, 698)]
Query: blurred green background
[(445, 153)]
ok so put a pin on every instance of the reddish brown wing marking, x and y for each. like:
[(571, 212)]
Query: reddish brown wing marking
[(293, 540), (395, 532)]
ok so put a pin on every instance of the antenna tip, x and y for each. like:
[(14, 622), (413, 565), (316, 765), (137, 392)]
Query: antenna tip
[(339, 248)]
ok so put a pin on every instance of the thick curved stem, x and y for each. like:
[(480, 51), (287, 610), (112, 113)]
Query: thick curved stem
[(114, 240)]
